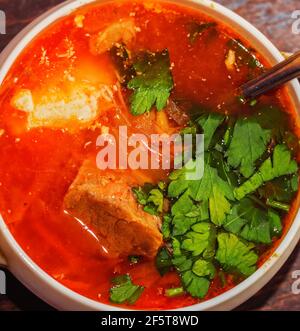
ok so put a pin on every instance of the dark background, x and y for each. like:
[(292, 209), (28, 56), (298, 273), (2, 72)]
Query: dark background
[(273, 18)]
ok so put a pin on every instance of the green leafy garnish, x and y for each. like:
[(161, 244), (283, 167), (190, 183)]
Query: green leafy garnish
[(214, 225), (203, 268), (252, 223), (156, 197), (280, 189), (152, 84), (166, 226), (209, 123), (196, 29), (198, 284), (174, 292), (124, 291), (201, 240), (244, 55), (209, 188), (163, 261), (247, 145), (278, 205), (134, 259), (195, 285), (275, 223), (186, 213), (280, 164), (235, 255), (150, 197)]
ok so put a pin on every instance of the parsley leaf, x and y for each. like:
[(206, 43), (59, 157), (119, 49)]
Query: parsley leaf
[(209, 124), (140, 195), (212, 223), (153, 83), (124, 290), (203, 268), (196, 29), (194, 275), (195, 285), (244, 56), (163, 261), (150, 197), (218, 204), (280, 164), (251, 223), (235, 255), (166, 226), (186, 212), (157, 198), (275, 223), (248, 143), (280, 189), (210, 187), (201, 240)]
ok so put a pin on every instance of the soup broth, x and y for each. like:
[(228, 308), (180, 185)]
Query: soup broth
[(70, 84)]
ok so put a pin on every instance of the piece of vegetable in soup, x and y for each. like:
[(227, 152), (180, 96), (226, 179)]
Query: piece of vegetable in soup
[(145, 238)]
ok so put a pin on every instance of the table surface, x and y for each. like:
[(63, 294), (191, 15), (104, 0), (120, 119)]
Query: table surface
[(274, 19)]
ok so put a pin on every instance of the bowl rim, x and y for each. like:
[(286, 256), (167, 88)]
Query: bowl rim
[(10, 54)]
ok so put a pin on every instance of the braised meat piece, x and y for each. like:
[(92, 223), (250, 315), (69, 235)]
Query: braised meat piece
[(105, 203)]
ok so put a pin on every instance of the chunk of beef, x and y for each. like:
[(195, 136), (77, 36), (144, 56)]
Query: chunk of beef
[(105, 203), (121, 32)]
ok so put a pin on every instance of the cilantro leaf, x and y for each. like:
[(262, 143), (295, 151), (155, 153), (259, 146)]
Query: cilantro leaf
[(181, 261), (195, 285), (201, 240), (235, 255), (124, 290), (182, 224), (150, 197), (275, 223), (210, 187), (166, 227), (248, 143), (157, 198), (280, 189), (218, 205), (244, 56), (140, 195), (217, 160), (258, 229), (163, 261), (204, 268), (186, 212), (280, 164), (183, 205), (203, 189), (153, 83), (196, 29), (209, 124), (251, 223)]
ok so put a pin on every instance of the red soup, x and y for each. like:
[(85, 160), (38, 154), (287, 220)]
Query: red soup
[(144, 238)]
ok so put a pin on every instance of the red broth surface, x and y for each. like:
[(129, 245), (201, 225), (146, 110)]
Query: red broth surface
[(37, 166)]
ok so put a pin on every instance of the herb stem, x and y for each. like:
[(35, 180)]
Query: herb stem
[(173, 292), (278, 205), (257, 201)]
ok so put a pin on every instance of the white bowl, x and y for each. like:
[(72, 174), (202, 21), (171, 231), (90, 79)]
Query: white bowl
[(60, 297)]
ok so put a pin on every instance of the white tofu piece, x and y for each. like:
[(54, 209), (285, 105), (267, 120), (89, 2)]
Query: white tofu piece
[(64, 109)]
